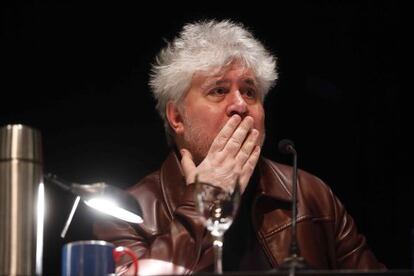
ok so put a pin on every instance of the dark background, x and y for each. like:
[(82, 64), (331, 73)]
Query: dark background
[(78, 72)]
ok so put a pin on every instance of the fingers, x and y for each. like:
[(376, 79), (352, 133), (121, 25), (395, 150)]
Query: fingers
[(247, 147), (188, 166), (225, 133), (248, 168), (235, 143), (234, 152)]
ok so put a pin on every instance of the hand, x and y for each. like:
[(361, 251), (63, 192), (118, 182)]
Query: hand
[(231, 155)]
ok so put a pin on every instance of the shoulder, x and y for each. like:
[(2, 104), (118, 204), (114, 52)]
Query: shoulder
[(149, 186), (148, 193), (306, 180), (314, 195)]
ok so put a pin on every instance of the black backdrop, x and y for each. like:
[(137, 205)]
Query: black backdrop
[(78, 72)]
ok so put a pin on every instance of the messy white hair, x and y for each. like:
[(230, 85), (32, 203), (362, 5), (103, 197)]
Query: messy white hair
[(205, 45)]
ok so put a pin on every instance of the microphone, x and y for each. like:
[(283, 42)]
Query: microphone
[(287, 147), (294, 261)]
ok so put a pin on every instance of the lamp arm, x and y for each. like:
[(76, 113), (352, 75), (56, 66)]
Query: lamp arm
[(51, 178)]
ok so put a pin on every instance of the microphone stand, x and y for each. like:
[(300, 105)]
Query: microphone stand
[(294, 261)]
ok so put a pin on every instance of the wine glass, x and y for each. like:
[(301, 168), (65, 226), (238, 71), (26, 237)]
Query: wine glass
[(217, 207)]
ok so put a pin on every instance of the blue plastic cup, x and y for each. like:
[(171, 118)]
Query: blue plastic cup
[(92, 258)]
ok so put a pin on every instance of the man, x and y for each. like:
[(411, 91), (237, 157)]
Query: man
[(210, 83)]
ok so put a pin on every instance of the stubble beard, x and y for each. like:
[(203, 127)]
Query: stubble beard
[(197, 140)]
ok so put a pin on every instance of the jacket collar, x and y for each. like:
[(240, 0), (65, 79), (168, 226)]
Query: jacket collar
[(172, 181), (273, 181)]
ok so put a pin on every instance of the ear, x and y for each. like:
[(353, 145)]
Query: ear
[(174, 118)]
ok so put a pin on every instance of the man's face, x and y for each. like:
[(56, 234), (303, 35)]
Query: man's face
[(212, 99)]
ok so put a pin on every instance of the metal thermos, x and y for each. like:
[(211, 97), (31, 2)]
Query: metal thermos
[(21, 201)]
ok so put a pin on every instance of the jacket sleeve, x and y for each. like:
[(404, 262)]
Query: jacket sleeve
[(352, 251), (180, 240)]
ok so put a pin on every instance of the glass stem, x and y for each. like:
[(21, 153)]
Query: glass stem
[(218, 254)]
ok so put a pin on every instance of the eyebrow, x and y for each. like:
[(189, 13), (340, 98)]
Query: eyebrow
[(250, 81), (214, 82)]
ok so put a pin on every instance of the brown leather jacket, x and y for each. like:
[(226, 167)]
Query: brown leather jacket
[(171, 231)]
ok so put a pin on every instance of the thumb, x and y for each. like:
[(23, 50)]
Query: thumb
[(188, 165)]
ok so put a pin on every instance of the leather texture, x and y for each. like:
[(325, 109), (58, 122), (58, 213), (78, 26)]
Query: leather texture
[(172, 231)]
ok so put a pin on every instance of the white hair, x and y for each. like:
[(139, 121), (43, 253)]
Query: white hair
[(205, 45)]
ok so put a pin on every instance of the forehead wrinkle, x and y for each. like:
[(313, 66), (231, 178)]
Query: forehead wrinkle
[(210, 81), (219, 77)]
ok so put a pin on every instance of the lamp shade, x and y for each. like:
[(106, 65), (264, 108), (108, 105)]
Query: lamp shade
[(109, 200), (104, 198)]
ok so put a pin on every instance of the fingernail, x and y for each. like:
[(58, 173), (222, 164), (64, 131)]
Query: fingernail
[(249, 118), (236, 117)]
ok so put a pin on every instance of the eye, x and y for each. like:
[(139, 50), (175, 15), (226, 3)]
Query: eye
[(218, 91), (250, 93)]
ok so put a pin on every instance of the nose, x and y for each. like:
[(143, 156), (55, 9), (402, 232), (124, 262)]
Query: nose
[(237, 105)]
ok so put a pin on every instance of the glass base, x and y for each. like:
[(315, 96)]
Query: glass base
[(294, 262)]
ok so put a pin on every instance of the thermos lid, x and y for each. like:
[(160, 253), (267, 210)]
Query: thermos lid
[(20, 142)]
